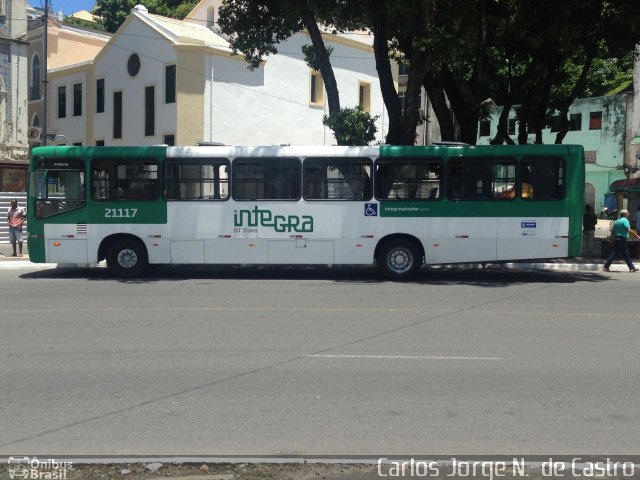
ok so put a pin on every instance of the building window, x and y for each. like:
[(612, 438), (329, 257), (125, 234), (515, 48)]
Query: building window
[(511, 129), (316, 96), (170, 84), (117, 114), (364, 96), (575, 122), (100, 95), (77, 99), (133, 64), (99, 143), (13, 179), (403, 68), (36, 120), (34, 90), (595, 121), (169, 139), (149, 111), (62, 101), (485, 128)]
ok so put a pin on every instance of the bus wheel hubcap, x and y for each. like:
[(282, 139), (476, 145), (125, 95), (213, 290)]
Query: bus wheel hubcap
[(400, 260), (127, 258)]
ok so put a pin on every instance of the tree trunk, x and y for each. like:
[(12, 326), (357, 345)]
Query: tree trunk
[(433, 85), (523, 133), (420, 65), (466, 113), (578, 88), (502, 136), (322, 57), (564, 125), (378, 14)]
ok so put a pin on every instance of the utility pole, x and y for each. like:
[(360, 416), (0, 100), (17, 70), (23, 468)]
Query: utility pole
[(44, 63)]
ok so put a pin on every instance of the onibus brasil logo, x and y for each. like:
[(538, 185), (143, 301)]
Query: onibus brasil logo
[(265, 218)]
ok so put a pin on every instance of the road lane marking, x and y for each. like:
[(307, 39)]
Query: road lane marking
[(407, 357)]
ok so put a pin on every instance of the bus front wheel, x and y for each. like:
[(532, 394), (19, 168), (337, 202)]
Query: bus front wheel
[(400, 259), (127, 258)]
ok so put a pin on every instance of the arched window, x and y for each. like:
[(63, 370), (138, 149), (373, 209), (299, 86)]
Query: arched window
[(34, 88), (590, 197)]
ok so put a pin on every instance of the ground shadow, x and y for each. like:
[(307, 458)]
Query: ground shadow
[(462, 275)]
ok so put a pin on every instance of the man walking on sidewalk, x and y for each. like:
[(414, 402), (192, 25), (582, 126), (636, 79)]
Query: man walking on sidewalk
[(15, 220), (621, 231)]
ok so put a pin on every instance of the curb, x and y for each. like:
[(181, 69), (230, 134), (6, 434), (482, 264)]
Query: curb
[(566, 267)]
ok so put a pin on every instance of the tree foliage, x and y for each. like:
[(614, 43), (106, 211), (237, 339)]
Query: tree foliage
[(538, 54), (113, 12), (352, 126)]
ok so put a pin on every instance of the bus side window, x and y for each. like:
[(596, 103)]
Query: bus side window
[(114, 180), (544, 177), (341, 178), (412, 178)]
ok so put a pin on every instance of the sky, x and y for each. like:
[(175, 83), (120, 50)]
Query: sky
[(67, 6)]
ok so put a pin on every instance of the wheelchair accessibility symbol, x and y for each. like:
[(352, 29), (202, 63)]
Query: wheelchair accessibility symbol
[(370, 209)]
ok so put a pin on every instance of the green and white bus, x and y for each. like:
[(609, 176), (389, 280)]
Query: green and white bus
[(399, 207)]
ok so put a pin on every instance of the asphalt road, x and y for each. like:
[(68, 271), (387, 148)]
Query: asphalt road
[(239, 361)]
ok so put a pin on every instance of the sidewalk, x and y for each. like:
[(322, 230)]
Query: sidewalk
[(6, 252)]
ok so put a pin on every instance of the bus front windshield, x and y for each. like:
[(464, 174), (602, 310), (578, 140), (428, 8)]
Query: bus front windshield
[(57, 191)]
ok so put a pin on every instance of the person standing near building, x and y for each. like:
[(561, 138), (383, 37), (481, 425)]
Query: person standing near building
[(15, 219), (589, 222), (621, 231)]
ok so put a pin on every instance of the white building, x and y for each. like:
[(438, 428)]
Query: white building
[(160, 80), (13, 96)]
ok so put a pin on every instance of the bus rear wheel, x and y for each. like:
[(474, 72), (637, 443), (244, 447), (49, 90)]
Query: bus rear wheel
[(400, 259), (127, 258)]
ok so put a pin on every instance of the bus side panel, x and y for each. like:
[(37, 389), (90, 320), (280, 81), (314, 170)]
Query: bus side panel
[(301, 251), (153, 236), (532, 237), (575, 187), (36, 243), (466, 239), (360, 233)]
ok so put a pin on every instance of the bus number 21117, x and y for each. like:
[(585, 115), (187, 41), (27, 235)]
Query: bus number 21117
[(120, 212)]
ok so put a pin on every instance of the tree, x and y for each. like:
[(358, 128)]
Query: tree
[(353, 125), (113, 12), (551, 49)]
